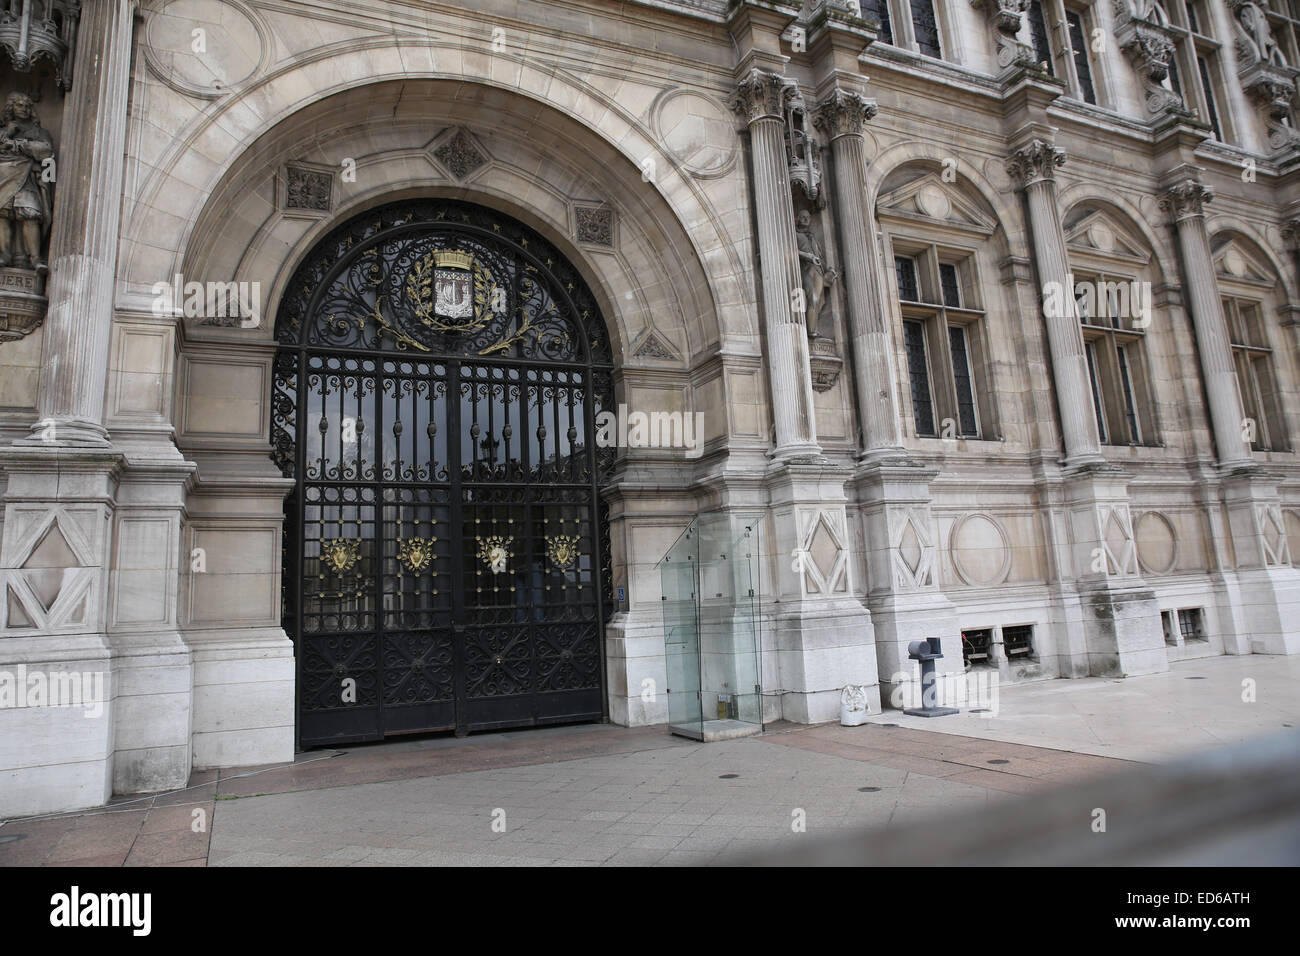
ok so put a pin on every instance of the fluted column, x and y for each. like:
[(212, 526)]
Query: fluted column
[(760, 98), (842, 116), (1033, 167), (84, 237), (1184, 201)]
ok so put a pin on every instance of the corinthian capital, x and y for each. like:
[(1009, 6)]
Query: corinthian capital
[(844, 114), (762, 94), (1185, 199), (1035, 162)]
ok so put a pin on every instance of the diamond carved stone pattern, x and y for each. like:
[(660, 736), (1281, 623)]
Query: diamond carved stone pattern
[(460, 155), (1119, 541), (1275, 543)]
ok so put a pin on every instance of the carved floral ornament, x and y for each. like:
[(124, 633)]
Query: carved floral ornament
[(1035, 162), (762, 95), (1185, 199), (1142, 32), (844, 114)]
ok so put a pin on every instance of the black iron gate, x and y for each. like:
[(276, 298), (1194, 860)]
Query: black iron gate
[(436, 397)]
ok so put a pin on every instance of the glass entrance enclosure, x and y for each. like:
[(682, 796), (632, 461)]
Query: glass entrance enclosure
[(710, 597)]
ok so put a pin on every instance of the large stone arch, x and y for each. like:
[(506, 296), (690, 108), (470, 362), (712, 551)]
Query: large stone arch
[(605, 148)]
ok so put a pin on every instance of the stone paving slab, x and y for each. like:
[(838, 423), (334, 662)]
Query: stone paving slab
[(593, 795)]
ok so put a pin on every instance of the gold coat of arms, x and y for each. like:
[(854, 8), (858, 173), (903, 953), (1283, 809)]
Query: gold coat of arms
[(448, 292), (562, 549)]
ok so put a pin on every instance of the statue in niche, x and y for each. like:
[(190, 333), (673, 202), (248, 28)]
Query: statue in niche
[(816, 278), (25, 205), (1254, 34)]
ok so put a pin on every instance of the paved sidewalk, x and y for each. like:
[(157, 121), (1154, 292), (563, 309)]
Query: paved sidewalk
[(600, 794), (1195, 705), (589, 795)]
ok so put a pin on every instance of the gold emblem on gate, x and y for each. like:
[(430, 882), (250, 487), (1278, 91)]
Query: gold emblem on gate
[(340, 554), (562, 549), (494, 551), (450, 291), (416, 554)]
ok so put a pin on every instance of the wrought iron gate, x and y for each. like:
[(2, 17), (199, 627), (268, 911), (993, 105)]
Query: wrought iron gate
[(446, 554)]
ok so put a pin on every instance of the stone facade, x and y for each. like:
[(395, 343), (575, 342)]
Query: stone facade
[(954, 446)]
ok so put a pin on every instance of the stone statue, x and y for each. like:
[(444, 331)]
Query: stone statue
[(1152, 11), (24, 197), (1254, 34), (812, 267)]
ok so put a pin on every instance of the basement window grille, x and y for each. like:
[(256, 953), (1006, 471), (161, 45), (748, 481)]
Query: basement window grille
[(975, 646), (1191, 623), (1018, 641)]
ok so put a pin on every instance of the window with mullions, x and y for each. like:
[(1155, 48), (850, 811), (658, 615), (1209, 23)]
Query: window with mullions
[(1256, 381), (925, 28), (1116, 370), (1038, 33), (1061, 36), (879, 10), (1079, 52), (942, 339), (1194, 69)]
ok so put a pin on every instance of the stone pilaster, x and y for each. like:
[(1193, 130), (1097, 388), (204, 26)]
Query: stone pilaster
[(1183, 200), (62, 543), (823, 637), (84, 236), (760, 99), (841, 117), (1033, 167)]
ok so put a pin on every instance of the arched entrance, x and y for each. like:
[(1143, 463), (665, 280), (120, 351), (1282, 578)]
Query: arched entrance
[(446, 556)]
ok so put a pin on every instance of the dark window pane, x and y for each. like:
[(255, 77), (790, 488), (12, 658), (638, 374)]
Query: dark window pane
[(919, 372), (1096, 390), (879, 10), (905, 269), (1173, 76), (1209, 97), (1018, 641), (1038, 30), (961, 377), (1191, 19), (925, 27), (1080, 48), (1130, 408), (951, 287)]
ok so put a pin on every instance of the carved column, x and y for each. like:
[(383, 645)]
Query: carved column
[(1184, 201), (84, 237), (842, 117), (1034, 168), (760, 98)]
